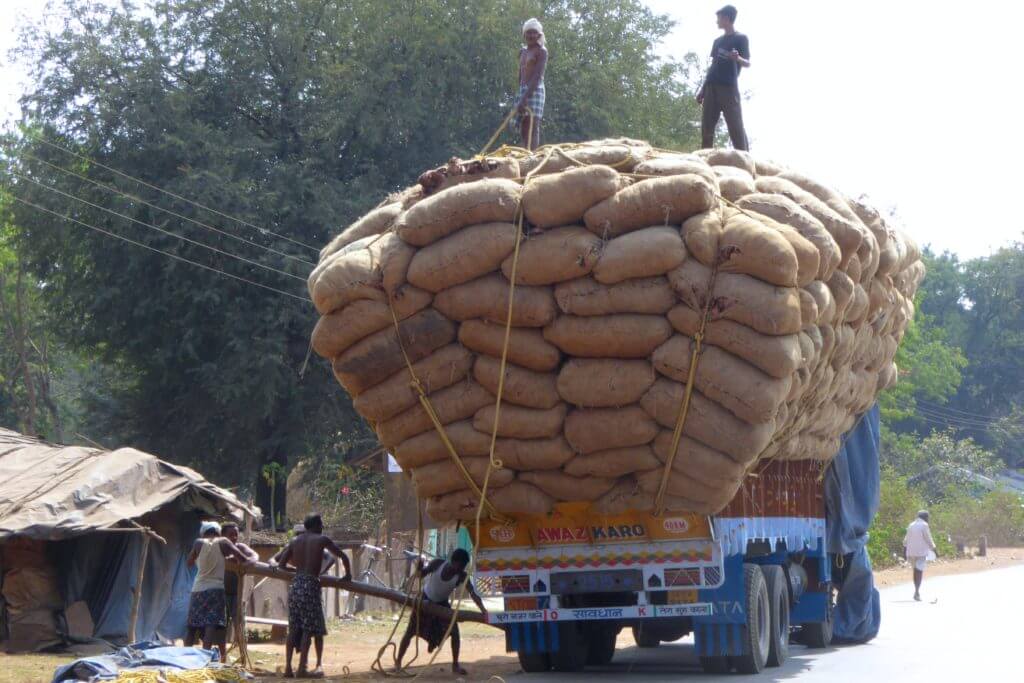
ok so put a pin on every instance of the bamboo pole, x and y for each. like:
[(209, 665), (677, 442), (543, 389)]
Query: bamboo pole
[(261, 569), (137, 597)]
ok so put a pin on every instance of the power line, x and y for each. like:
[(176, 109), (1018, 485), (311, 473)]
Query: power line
[(952, 419), (161, 230), (938, 406), (265, 231), (135, 198), (159, 251)]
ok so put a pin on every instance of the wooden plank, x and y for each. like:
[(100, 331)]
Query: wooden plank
[(137, 597)]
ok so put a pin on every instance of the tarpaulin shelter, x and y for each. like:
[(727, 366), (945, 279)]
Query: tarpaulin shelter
[(83, 529)]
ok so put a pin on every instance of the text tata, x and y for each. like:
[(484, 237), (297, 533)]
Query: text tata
[(582, 534)]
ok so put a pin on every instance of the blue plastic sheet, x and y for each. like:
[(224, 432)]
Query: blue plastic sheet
[(851, 501), (138, 656)]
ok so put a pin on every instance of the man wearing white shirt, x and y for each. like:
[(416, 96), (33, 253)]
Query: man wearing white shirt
[(919, 548)]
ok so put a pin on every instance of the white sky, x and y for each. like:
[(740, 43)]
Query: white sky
[(911, 102)]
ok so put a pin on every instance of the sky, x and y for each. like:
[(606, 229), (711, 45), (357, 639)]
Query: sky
[(911, 103)]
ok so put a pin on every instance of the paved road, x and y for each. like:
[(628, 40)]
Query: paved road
[(972, 633)]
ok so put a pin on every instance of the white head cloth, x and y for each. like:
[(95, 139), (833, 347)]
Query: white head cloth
[(534, 25)]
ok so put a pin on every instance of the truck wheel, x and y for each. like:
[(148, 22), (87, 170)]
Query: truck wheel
[(818, 634), (778, 599), (572, 648), (534, 662), (715, 665), (601, 643), (644, 638), (757, 631)]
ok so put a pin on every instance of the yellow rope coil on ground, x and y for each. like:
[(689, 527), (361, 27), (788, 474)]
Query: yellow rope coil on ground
[(227, 674)]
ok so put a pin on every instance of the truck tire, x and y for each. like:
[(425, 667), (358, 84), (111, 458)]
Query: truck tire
[(818, 635), (757, 631), (715, 665), (601, 643), (534, 662), (572, 648), (644, 638), (778, 599)]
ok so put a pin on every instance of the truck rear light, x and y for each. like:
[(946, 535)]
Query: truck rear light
[(682, 577), (515, 584)]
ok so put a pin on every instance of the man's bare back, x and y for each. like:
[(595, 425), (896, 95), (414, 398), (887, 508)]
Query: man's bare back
[(308, 552)]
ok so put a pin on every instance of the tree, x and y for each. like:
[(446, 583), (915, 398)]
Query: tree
[(294, 116), (939, 466)]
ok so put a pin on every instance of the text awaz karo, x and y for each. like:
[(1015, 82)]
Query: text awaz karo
[(582, 534)]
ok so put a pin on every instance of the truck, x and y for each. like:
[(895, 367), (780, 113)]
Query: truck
[(743, 581)]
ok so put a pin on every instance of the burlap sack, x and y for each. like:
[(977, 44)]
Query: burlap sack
[(698, 461), (521, 498), (441, 369), (709, 497), (752, 247), (608, 336), (487, 297), (833, 199), (522, 387), (604, 382), (563, 198), (451, 404), (517, 422), (767, 167), (373, 223), (853, 268), (586, 296), (555, 256), (745, 391), (526, 347), (533, 454), (644, 253), (462, 256), (678, 165), (744, 299), (721, 156), (562, 486), (444, 476), (483, 201), (339, 330), (706, 421), (428, 447), (823, 299), (370, 361), (659, 201), (613, 462), (808, 308), (596, 429), (347, 275), (786, 212), (777, 355), (627, 496), (841, 287)]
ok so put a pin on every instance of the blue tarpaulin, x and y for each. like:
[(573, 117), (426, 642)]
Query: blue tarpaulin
[(138, 656), (851, 501)]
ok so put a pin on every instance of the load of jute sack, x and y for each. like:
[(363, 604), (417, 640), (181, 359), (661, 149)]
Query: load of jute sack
[(567, 322)]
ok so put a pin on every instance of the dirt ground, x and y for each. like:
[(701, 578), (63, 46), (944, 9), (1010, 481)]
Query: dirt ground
[(352, 646)]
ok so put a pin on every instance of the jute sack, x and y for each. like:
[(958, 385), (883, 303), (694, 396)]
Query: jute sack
[(428, 447), (596, 429), (853, 268), (753, 248), (833, 199), (347, 275), (521, 498), (808, 308), (487, 297), (441, 369), (777, 355), (745, 391), (484, 201), (787, 212), (451, 404), (659, 201), (526, 347), (713, 497), (523, 387), (698, 461), (644, 253), (370, 361), (678, 165), (706, 421), (554, 256), (613, 462), (444, 476), (373, 223), (462, 256), (608, 336), (518, 422), (720, 156), (627, 496), (339, 330), (586, 296), (563, 198), (604, 382), (734, 187), (767, 167), (841, 287), (823, 299), (533, 454), (562, 486), (744, 299)]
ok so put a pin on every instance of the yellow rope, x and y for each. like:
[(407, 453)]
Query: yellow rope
[(228, 674)]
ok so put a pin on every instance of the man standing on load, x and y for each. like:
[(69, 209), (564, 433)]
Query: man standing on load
[(533, 58), (720, 93)]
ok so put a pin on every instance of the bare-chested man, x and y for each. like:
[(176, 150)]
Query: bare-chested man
[(533, 59), (305, 608)]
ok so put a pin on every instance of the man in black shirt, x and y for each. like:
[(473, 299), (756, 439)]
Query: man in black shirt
[(720, 93)]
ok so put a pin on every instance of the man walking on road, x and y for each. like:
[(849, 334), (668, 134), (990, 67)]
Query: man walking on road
[(919, 548), (720, 93)]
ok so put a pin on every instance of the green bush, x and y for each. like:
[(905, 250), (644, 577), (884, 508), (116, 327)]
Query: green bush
[(999, 515), (897, 507)]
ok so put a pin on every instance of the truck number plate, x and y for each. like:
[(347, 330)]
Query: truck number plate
[(681, 597), (614, 581)]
